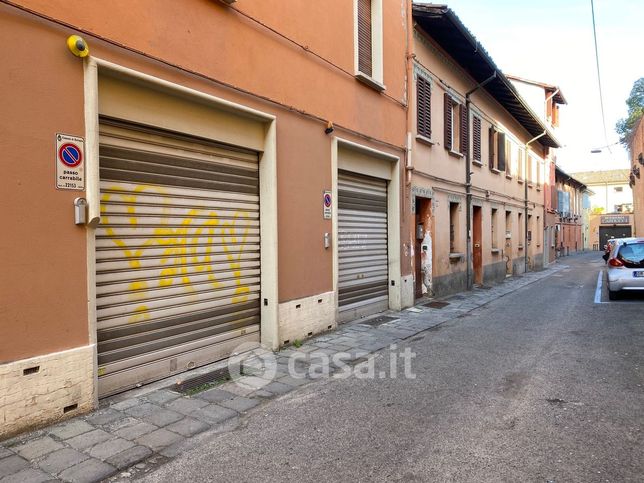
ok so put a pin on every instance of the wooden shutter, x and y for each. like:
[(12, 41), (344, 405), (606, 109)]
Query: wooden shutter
[(424, 103), (492, 147), (464, 131), (364, 37), (447, 106), (476, 135), (501, 151)]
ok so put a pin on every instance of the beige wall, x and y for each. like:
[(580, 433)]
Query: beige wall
[(442, 172), (595, 222)]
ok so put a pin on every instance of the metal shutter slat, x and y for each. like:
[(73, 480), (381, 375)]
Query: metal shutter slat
[(362, 245), (177, 253)]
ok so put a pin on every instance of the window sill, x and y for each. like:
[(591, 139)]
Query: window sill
[(455, 154), (538, 188), (456, 257), (508, 176), (425, 140), (530, 186), (495, 171), (370, 81), (519, 180), (477, 163), (496, 251), (520, 247)]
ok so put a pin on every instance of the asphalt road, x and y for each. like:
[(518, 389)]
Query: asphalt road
[(541, 385)]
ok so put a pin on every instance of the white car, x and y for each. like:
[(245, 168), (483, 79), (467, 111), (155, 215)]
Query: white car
[(626, 267)]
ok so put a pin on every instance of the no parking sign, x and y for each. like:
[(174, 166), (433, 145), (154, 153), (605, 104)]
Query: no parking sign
[(327, 205), (70, 162)]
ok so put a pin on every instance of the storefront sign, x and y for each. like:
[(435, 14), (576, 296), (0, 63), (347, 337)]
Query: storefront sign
[(614, 220)]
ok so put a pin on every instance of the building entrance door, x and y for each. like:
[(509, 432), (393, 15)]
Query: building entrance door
[(477, 249), (423, 247)]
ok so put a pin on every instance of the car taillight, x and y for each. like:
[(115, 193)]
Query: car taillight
[(614, 262)]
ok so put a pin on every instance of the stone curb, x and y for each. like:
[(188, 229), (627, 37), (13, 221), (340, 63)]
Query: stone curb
[(135, 433)]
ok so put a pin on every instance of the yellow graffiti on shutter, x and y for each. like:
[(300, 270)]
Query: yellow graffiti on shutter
[(177, 252)]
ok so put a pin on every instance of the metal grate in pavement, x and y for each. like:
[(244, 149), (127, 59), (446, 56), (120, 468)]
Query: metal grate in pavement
[(376, 321), (206, 381), (436, 305)]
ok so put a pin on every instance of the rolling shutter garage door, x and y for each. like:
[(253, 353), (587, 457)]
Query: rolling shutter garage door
[(362, 246), (177, 254)]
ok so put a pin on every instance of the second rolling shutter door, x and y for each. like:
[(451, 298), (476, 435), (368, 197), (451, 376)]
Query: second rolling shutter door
[(362, 245)]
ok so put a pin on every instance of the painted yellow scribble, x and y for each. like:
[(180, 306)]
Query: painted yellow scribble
[(238, 294), (179, 248), (142, 314), (138, 290), (235, 258)]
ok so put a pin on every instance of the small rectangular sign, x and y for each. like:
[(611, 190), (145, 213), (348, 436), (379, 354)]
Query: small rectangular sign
[(70, 162), (327, 205), (614, 220)]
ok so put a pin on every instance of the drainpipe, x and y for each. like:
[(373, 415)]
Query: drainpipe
[(409, 163), (409, 57), (468, 181), (545, 104), (525, 194)]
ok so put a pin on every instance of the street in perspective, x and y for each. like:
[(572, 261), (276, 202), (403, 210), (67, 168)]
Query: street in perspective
[(353, 240)]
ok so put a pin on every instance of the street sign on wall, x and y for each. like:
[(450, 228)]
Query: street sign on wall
[(70, 162), (327, 205)]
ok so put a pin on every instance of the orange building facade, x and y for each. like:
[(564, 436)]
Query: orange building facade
[(230, 156)]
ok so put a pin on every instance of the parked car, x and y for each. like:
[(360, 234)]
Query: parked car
[(625, 266), (610, 244)]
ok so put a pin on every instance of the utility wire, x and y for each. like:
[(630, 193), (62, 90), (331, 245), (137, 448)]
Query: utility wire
[(599, 80)]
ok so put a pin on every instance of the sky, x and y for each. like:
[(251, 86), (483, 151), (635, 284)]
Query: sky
[(552, 41)]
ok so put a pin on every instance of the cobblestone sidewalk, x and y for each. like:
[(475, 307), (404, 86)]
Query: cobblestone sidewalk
[(135, 432)]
